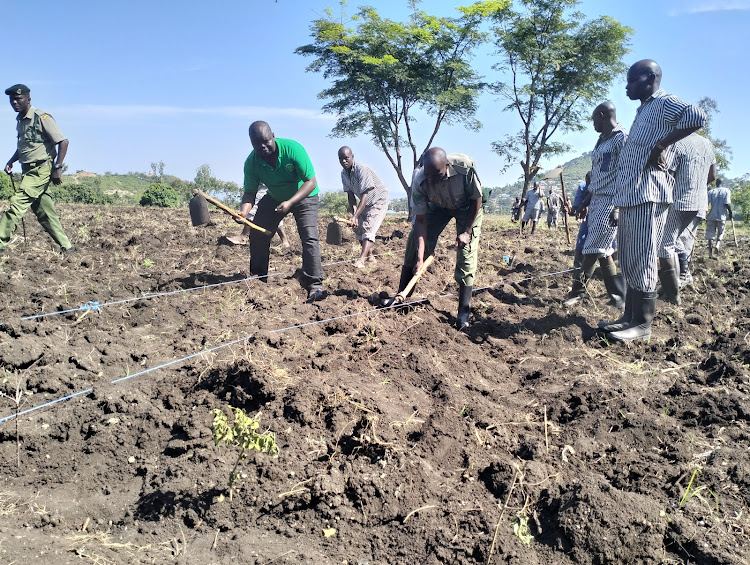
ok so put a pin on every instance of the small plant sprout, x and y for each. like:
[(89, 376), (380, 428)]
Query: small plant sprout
[(148, 263), (244, 437), (520, 524)]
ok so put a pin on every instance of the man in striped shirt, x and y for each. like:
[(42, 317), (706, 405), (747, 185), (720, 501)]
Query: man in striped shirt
[(645, 189), (693, 166), (360, 181), (601, 235)]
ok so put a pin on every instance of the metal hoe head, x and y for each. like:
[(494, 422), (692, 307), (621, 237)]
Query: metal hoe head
[(199, 211)]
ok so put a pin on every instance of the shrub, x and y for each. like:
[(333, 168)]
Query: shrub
[(6, 189), (334, 203), (86, 194), (161, 195)]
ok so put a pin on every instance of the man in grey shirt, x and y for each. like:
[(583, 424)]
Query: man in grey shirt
[(360, 181), (720, 203), (534, 207)]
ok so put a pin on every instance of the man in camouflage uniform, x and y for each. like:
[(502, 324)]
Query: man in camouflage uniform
[(41, 151)]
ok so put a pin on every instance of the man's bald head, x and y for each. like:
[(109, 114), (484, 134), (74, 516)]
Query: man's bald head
[(263, 140), (644, 78), (604, 117), (435, 164), (259, 130)]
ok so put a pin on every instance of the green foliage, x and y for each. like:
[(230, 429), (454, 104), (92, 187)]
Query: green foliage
[(383, 71), (721, 148), (161, 195), (399, 205), (243, 436), (334, 203), (560, 67), (741, 198), (87, 194), (6, 189)]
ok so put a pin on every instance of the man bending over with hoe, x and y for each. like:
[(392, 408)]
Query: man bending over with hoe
[(448, 187)]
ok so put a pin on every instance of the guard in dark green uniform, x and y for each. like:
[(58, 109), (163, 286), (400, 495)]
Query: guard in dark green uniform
[(41, 151)]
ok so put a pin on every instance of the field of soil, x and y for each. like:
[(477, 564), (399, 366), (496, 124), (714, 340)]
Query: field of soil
[(525, 439)]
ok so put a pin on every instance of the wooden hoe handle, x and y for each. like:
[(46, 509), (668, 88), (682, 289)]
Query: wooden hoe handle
[(401, 296), (231, 212)]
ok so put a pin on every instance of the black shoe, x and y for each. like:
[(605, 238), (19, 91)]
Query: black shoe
[(315, 295)]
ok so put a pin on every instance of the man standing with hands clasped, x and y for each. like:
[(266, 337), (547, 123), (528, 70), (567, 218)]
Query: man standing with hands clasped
[(41, 150)]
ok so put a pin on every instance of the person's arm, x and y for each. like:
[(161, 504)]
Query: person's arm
[(656, 158), (360, 208), (463, 239), (420, 235), (62, 150), (9, 164), (302, 193), (251, 183)]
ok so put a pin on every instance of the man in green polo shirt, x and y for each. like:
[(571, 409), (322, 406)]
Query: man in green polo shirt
[(284, 167), (41, 151)]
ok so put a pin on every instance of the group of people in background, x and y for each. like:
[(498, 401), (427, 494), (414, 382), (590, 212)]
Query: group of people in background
[(645, 196)]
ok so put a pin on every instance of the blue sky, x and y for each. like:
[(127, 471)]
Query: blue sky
[(134, 82)]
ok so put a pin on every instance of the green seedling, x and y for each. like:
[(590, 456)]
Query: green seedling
[(244, 437), (148, 263), (521, 528), (697, 492)]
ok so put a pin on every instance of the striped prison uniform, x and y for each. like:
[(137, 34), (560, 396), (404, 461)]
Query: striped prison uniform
[(691, 163), (645, 193), (604, 163)]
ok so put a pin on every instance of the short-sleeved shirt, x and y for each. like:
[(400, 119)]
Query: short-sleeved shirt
[(38, 136), (293, 168), (693, 157), (604, 162), (719, 199), (455, 192), (361, 180), (658, 116), (534, 200)]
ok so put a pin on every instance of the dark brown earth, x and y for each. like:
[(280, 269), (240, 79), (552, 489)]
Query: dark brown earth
[(415, 442)]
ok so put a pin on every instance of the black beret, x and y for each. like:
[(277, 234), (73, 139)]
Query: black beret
[(17, 89)]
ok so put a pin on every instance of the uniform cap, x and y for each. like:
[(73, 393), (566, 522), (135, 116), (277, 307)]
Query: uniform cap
[(17, 89)]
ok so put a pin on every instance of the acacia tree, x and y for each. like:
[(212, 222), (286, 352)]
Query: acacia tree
[(383, 71), (721, 148), (559, 68)]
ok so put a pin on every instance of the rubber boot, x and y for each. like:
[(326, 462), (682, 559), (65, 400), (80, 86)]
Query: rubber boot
[(578, 291), (716, 249), (615, 285), (623, 321), (533, 227), (464, 302), (710, 248), (644, 307), (686, 277), (670, 286)]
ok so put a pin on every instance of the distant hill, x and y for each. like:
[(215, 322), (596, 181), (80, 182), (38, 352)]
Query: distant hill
[(574, 170)]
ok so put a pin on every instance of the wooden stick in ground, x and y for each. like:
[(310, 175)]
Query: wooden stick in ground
[(231, 212), (734, 233), (401, 296), (566, 207)]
